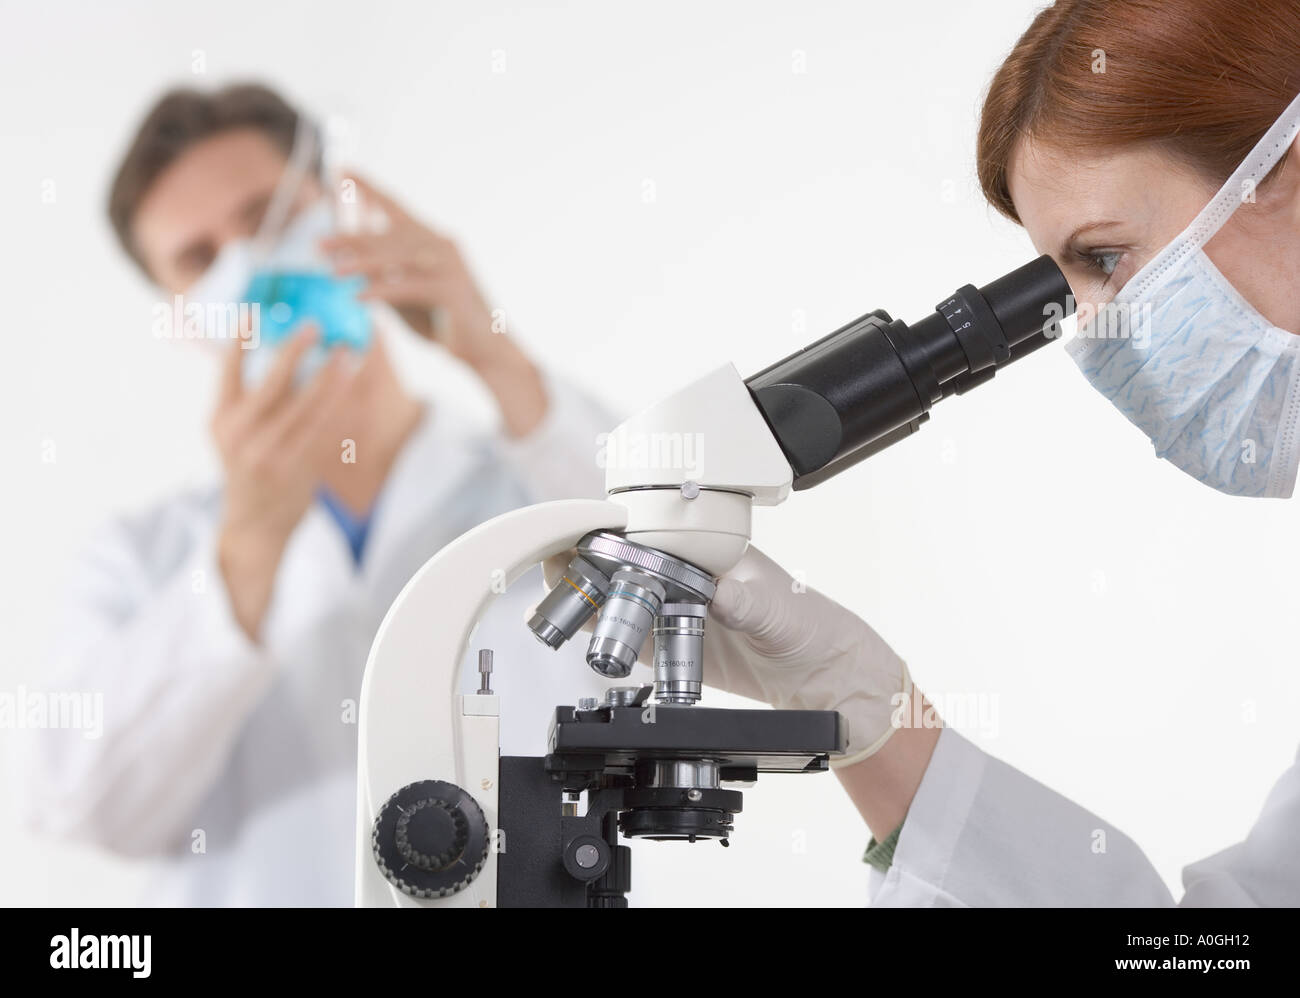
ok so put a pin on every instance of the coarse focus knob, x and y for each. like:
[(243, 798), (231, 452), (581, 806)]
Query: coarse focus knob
[(430, 839), (431, 835)]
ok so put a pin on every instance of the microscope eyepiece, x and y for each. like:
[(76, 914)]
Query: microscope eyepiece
[(1022, 300), (872, 382)]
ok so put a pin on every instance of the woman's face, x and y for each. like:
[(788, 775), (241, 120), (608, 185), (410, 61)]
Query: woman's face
[(1103, 216)]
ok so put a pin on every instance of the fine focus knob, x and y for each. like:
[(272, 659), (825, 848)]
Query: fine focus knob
[(430, 839)]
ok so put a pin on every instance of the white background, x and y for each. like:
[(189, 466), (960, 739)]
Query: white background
[(1134, 631)]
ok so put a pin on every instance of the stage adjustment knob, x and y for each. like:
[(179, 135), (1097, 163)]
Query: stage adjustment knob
[(430, 839)]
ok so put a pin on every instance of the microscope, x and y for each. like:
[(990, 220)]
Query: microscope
[(443, 819)]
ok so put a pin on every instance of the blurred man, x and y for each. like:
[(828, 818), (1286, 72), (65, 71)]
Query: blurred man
[(228, 629)]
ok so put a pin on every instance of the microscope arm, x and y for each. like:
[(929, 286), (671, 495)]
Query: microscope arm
[(412, 721)]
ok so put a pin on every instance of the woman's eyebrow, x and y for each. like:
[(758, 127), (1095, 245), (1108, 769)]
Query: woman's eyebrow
[(1086, 227)]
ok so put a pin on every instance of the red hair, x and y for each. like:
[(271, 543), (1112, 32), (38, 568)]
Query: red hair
[(1202, 79)]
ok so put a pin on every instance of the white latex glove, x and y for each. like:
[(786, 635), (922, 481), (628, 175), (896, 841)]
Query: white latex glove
[(772, 639)]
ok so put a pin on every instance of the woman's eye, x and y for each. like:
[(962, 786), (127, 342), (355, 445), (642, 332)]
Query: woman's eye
[(1105, 261)]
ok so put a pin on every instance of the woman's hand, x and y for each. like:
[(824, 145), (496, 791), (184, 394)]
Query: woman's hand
[(422, 274), (772, 639)]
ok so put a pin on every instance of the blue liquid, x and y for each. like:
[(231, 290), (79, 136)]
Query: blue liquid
[(287, 299)]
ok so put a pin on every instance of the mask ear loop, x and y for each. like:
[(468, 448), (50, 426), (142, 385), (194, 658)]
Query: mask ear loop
[(301, 159), (1253, 169), (334, 151)]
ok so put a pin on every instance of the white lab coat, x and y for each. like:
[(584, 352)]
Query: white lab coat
[(233, 765), (981, 833)]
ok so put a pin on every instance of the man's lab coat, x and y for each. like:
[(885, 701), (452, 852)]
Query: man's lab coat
[(981, 833), (233, 765)]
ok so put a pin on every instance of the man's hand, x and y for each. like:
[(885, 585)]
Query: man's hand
[(420, 272), (274, 443)]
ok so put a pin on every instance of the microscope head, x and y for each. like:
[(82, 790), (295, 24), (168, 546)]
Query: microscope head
[(686, 472)]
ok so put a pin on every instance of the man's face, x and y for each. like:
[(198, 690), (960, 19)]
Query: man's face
[(216, 191)]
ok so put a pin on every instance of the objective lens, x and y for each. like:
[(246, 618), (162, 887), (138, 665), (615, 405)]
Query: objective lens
[(679, 652), (568, 606), (624, 622)]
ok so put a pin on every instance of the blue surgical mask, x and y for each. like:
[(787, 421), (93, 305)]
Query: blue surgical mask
[(1191, 363)]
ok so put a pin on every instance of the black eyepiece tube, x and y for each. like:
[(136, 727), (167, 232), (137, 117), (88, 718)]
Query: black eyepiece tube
[(1022, 299), (871, 383)]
